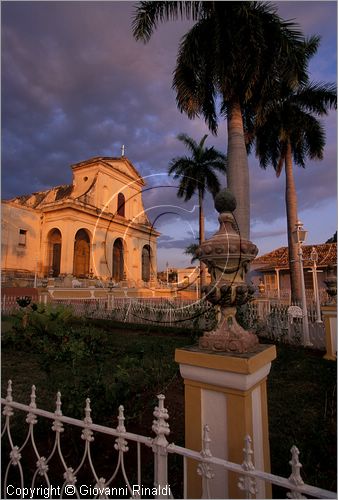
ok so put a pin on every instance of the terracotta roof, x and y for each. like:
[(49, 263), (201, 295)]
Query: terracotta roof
[(40, 198), (327, 255)]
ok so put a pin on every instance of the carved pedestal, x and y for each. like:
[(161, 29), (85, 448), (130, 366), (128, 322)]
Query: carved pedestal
[(229, 336)]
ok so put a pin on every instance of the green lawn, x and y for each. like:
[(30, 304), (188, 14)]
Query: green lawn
[(130, 366)]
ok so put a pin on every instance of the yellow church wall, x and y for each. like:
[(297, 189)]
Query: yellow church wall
[(107, 186), (19, 252), (102, 232)]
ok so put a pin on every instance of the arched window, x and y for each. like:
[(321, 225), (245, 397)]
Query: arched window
[(146, 263), (118, 260), (121, 205), (54, 250), (81, 254)]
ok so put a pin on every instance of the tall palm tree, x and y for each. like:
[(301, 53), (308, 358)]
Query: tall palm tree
[(288, 132), (191, 250), (196, 173), (228, 59)]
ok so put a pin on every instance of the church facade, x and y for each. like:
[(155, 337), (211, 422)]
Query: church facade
[(96, 226)]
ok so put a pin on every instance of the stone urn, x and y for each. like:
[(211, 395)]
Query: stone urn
[(227, 257)]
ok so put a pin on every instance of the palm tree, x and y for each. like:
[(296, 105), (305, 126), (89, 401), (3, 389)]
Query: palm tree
[(191, 250), (230, 57), (197, 173), (288, 132)]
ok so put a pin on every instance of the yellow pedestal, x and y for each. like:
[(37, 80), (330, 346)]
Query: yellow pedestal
[(330, 323), (228, 392)]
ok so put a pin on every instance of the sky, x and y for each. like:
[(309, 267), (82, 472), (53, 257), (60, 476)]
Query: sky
[(75, 85)]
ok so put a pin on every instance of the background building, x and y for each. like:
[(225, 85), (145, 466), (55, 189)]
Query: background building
[(273, 268)]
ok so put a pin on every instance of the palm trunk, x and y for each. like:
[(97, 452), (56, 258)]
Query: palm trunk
[(238, 171), (292, 217), (201, 239)]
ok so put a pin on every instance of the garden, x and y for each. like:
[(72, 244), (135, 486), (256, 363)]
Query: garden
[(115, 364)]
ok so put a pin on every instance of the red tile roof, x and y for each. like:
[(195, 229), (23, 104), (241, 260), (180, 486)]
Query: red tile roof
[(327, 255)]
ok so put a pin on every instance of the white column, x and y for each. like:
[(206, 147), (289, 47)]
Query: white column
[(278, 284)]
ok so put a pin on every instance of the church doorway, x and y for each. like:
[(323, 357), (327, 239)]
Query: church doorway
[(146, 263), (118, 260), (54, 244), (81, 254)]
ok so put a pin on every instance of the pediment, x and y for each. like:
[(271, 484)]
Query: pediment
[(124, 166), (121, 165)]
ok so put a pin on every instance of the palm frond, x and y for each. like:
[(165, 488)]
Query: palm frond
[(191, 250), (197, 172), (280, 164), (193, 81), (316, 97), (149, 14)]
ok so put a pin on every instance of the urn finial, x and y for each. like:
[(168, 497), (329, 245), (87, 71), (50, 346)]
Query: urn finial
[(227, 257), (225, 201)]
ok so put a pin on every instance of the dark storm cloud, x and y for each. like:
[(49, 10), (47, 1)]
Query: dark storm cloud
[(173, 243), (75, 88), (267, 234), (75, 84)]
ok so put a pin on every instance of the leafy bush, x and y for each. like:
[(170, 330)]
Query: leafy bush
[(98, 359)]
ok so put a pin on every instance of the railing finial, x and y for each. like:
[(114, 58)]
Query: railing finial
[(120, 442), (58, 404), (87, 434), (121, 419), (57, 425), (9, 397), (88, 410), (32, 404), (295, 477), (31, 417), (160, 426), (247, 483), (206, 452), (8, 410)]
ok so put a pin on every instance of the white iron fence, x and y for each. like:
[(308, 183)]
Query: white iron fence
[(268, 319), (274, 322), (66, 482), (160, 311)]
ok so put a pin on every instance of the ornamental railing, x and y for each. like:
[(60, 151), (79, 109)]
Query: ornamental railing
[(38, 481), (161, 312), (274, 322), (153, 311)]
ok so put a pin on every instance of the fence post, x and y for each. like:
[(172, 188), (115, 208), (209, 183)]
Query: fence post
[(43, 296), (330, 323), (227, 391), (159, 447)]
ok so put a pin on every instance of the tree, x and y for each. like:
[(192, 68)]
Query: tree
[(288, 132), (196, 173), (191, 250), (230, 57), (333, 239)]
